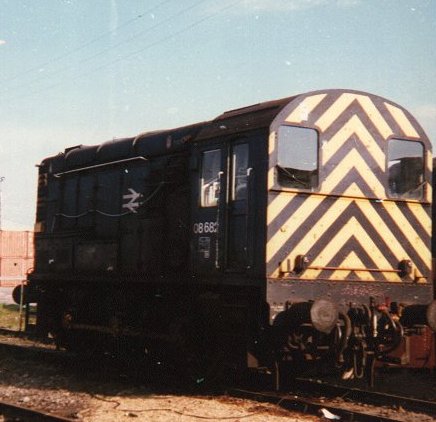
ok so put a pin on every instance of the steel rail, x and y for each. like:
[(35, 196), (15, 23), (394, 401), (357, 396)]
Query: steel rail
[(23, 334), (309, 406), (15, 412), (365, 396)]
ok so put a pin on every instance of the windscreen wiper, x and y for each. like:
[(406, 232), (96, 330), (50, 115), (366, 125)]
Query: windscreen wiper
[(290, 175)]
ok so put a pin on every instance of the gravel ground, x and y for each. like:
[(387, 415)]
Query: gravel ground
[(69, 392), (164, 408)]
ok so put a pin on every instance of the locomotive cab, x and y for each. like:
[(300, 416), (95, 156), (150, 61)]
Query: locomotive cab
[(349, 226)]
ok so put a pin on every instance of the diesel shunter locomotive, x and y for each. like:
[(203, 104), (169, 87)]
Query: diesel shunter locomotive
[(278, 235)]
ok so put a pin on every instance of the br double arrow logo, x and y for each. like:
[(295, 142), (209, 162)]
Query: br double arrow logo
[(132, 199)]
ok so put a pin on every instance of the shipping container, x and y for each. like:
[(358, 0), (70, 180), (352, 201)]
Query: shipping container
[(16, 256)]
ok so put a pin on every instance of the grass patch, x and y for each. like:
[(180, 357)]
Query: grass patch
[(10, 316)]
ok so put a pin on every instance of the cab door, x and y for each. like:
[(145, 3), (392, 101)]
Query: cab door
[(221, 208), (208, 184)]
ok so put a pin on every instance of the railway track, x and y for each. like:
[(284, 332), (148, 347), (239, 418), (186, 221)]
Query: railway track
[(301, 398), (350, 404), (367, 396), (12, 412), (45, 351), (23, 334), (308, 406)]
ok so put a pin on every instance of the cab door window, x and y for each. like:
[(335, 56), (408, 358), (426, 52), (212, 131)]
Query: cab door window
[(240, 172), (210, 178)]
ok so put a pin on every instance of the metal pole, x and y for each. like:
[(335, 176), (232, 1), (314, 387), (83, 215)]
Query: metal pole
[(21, 304), (1, 239), (2, 179)]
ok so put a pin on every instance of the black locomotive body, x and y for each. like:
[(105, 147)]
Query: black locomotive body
[(293, 230)]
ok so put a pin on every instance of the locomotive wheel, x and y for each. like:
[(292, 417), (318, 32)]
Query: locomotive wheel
[(390, 334)]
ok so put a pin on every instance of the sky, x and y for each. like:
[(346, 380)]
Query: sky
[(87, 71)]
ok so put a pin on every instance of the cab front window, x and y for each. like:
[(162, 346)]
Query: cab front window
[(297, 161), (405, 169)]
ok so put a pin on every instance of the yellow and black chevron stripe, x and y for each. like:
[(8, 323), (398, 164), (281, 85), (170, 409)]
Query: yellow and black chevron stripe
[(349, 229)]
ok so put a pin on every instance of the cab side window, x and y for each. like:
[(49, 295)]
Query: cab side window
[(297, 162), (210, 178), (405, 169)]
